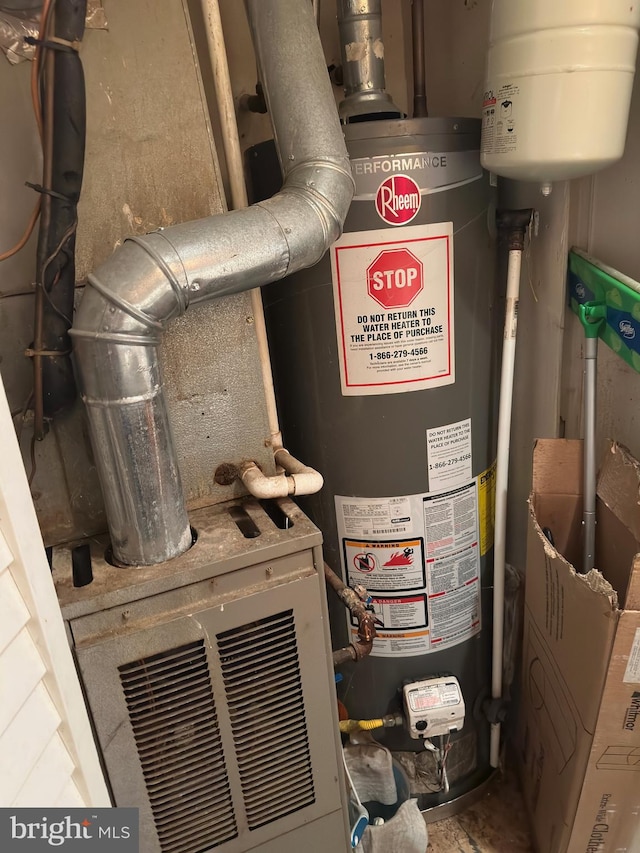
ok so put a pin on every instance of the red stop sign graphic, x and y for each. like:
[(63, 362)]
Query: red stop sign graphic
[(395, 278)]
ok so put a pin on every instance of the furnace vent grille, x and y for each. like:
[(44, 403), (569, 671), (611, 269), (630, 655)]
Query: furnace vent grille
[(261, 673), (175, 726)]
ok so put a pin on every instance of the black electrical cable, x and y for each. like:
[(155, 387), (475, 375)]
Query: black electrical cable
[(56, 249)]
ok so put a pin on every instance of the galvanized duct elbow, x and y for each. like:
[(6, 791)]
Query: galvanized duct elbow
[(154, 278)]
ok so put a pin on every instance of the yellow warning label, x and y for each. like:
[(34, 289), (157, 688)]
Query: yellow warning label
[(487, 507)]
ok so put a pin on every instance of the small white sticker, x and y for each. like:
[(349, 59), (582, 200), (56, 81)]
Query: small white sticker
[(500, 111), (449, 455), (632, 672), (393, 298), (430, 696), (360, 517)]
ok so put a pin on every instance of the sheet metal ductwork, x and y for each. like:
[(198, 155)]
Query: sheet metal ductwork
[(152, 279)]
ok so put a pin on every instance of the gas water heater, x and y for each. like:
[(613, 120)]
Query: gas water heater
[(384, 355)]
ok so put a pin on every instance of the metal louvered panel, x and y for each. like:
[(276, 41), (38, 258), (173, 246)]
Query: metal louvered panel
[(175, 726), (261, 671)]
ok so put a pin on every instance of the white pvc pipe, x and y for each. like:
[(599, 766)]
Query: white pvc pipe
[(260, 486), (502, 479), (306, 480), (262, 340), (238, 190), (298, 479)]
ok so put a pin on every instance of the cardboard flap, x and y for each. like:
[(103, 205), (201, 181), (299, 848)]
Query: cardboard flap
[(557, 466), (633, 592), (619, 487), (561, 602)]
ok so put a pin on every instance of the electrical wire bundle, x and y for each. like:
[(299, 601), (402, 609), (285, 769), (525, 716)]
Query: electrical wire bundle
[(58, 96)]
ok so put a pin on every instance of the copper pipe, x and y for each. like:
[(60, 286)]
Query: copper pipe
[(354, 652), (357, 608)]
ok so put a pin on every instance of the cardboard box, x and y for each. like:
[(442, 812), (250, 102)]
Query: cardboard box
[(579, 724)]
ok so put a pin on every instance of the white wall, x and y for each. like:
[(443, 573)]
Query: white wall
[(605, 221), (456, 34)]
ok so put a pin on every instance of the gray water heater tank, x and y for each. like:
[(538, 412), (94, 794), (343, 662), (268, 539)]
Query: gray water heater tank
[(385, 363)]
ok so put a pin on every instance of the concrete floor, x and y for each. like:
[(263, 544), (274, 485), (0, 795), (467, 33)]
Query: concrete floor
[(495, 824)]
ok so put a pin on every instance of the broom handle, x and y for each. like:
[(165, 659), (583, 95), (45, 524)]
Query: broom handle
[(589, 510)]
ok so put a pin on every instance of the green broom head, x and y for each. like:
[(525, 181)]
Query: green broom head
[(607, 303)]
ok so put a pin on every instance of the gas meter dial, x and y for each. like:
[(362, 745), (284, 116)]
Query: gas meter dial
[(433, 706)]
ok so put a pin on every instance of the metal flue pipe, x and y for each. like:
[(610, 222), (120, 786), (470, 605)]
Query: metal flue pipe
[(362, 49), (154, 278), (419, 74)]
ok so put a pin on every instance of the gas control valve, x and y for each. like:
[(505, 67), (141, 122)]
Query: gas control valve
[(433, 706)]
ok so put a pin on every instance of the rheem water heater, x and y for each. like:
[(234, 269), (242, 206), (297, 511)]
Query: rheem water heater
[(384, 356)]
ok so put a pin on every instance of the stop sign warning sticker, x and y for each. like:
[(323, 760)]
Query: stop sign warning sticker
[(395, 278), (393, 294)]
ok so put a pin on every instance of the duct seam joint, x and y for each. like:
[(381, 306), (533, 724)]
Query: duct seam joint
[(123, 305), (179, 291)]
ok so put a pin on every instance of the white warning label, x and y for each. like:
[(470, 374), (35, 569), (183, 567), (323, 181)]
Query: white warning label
[(500, 120), (410, 611), (382, 566), (449, 455), (393, 296), (425, 584), (401, 625), (453, 564)]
